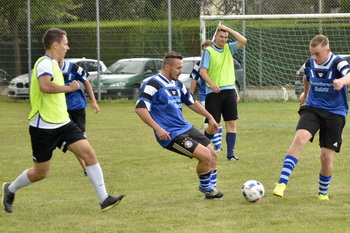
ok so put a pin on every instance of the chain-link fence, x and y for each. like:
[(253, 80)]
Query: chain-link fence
[(128, 28)]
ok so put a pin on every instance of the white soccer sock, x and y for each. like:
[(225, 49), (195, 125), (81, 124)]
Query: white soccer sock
[(95, 175), (20, 182)]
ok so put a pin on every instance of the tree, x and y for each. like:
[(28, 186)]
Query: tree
[(14, 19)]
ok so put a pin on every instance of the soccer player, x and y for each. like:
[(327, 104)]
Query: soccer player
[(50, 126), (325, 109), (195, 76), (217, 69), (160, 107), (76, 101)]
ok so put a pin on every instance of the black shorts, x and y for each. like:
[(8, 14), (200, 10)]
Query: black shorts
[(45, 141), (187, 142), (79, 118), (223, 103), (330, 125)]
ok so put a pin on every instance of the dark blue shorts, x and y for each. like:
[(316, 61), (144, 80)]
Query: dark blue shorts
[(45, 141)]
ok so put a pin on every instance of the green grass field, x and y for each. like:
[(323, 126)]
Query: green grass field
[(161, 186)]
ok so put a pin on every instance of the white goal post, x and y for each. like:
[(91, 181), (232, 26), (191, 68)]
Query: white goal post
[(277, 47)]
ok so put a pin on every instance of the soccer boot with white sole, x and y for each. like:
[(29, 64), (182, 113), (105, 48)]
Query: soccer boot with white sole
[(7, 197)]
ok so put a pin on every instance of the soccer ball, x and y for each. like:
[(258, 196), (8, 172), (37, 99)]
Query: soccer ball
[(253, 190)]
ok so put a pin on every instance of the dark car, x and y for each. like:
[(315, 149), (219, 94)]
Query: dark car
[(123, 78), (299, 83)]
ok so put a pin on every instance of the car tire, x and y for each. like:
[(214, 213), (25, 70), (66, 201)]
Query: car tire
[(135, 93)]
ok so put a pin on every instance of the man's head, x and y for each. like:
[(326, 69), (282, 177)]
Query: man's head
[(172, 65), (319, 49), (207, 44), (221, 38), (55, 41)]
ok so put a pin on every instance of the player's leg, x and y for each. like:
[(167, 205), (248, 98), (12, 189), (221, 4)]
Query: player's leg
[(308, 124), (79, 118), (330, 142), (230, 115), (83, 149), (231, 135), (217, 140), (325, 175)]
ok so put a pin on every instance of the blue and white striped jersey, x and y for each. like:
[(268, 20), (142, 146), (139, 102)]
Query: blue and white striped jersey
[(163, 99), (322, 94), (71, 71)]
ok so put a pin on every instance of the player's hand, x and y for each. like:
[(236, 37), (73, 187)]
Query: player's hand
[(214, 125), (302, 99), (74, 85), (95, 107), (163, 134), (338, 84), (215, 88)]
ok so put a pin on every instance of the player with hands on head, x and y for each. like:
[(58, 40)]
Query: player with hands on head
[(217, 69), (160, 107), (195, 77), (324, 107)]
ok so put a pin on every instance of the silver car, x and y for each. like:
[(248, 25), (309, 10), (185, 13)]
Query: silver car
[(19, 86)]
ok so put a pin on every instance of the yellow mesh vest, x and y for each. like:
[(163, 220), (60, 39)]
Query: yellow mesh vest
[(51, 107), (221, 70)]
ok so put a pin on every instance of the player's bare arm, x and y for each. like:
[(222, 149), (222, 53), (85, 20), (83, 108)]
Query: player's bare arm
[(339, 83), (198, 108), (90, 92), (147, 118), (204, 74), (241, 40), (47, 86)]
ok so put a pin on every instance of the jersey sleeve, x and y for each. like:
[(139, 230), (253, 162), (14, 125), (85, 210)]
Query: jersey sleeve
[(148, 90), (44, 67)]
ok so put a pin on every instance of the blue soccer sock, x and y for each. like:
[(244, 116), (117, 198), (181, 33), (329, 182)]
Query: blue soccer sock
[(217, 138), (231, 141), (209, 136), (324, 182), (214, 177), (288, 165), (205, 182)]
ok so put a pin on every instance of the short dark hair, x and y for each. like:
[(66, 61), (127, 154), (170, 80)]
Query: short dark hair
[(52, 35), (169, 57)]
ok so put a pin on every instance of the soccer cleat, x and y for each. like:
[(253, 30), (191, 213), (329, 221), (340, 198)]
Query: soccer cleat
[(233, 158), (218, 149), (207, 197), (323, 197), (279, 189), (111, 201), (7, 197), (214, 193)]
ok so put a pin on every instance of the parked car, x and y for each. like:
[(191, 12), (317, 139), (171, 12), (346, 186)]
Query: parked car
[(123, 78), (188, 64), (19, 86), (299, 83)]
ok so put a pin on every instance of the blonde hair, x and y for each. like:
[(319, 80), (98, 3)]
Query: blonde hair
[(319, 40)]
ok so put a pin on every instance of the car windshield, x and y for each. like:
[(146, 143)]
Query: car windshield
[(188, 66), (125, 67)]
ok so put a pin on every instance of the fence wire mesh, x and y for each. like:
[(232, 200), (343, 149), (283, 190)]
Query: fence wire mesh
[(128, 28)]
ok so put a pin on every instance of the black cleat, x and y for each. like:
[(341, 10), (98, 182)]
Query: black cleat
[(111, 201), (7, 197), (214, 194)]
